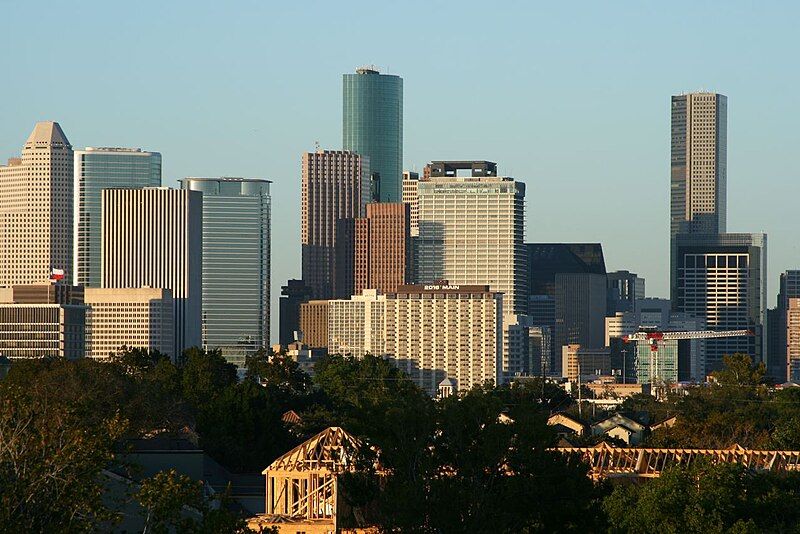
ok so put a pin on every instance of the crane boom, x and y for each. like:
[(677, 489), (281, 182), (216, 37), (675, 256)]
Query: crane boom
[(700, 334)]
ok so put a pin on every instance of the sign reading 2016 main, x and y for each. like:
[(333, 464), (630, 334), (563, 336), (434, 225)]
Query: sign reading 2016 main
[(439, 288)]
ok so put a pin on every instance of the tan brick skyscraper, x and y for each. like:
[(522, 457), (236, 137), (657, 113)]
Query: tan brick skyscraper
[(335, 186), (36, 209)]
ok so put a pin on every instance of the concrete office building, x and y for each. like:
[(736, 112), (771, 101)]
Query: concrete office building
[(698, 163), (722, 280), (356, 325), (540, 341), (36, 209), (153, 237), (373, 252), (132, 317), (236, 264), (445, 330), (97, 169), (410, 184), (42, 320), (471, 231), (335, 185), (372, 126), (294, 293), (516, 356), (314, 324), (624, 289)]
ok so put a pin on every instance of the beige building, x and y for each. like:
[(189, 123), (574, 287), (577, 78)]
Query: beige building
[(36, 209), (335, 185), (42, 320), (152, 237), (132, 317), (410, 183), (439, 331), (314, 323), (792, 333), (471, 231), (356, 325)]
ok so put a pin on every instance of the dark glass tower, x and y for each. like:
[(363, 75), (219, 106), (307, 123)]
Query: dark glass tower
[(373, 127)]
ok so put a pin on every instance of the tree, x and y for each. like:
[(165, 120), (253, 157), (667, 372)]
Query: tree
[(739, 371), (174, 502), (278, 372), (204, 375), (50, 464), (706, 497)]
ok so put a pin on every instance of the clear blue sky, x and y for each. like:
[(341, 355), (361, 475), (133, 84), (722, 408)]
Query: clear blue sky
[(572, 98)]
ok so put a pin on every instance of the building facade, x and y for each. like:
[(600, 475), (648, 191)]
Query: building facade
[(580, 306), (624, 289), (36, 209), (356, 325), (471, 231), (793, 338), (372, 126), (410, 183), (131, 317), (294, 293), (314, 324), (335, 185), (236, 264), (373, 252), (97, 169), (41, 321), (578, 361), (698, 169), (721, 279), (781, 364), (153, 237), (442, 330)]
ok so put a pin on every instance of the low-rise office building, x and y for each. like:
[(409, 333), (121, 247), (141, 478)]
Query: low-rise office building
[(131, 317)]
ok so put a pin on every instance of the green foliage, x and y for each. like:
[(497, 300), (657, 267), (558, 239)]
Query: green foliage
[(739, 371), (51, 456), (707, 498), (175, 502), (204, 375), (279, 373)]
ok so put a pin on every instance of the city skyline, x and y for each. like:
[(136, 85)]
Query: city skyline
[(536, 143)]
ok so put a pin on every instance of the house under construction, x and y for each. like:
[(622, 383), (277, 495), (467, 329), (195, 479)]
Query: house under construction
[(304, 492)]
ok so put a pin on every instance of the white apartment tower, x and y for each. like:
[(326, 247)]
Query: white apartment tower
[(36, 209), (443, 330), (471, 231), (153, 237), (410, 183), (356, 325)]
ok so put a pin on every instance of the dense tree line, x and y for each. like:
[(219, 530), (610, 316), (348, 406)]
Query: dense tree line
[(454, 465)]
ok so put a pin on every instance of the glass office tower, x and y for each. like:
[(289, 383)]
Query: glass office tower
[(236, 264), (373, 127), (97, 169)]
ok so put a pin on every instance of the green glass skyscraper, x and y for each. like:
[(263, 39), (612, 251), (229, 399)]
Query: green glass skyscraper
[(373, 127)]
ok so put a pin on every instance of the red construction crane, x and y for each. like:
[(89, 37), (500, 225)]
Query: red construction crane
[(653, 337)]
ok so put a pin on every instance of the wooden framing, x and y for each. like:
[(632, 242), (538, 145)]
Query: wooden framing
[(616, 462)]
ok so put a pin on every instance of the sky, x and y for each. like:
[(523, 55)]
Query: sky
[(573, 98)]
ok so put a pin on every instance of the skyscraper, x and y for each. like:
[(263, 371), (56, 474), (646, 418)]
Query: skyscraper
[(580, 302), (784, 353), (335, 186), (471, 231), (36, 209), (699, 164), (373, 126), (699, 168), (722, 279), (153, 237), (624, 289), (97, 169), (410, 183), (236, 264), (373, 252)]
